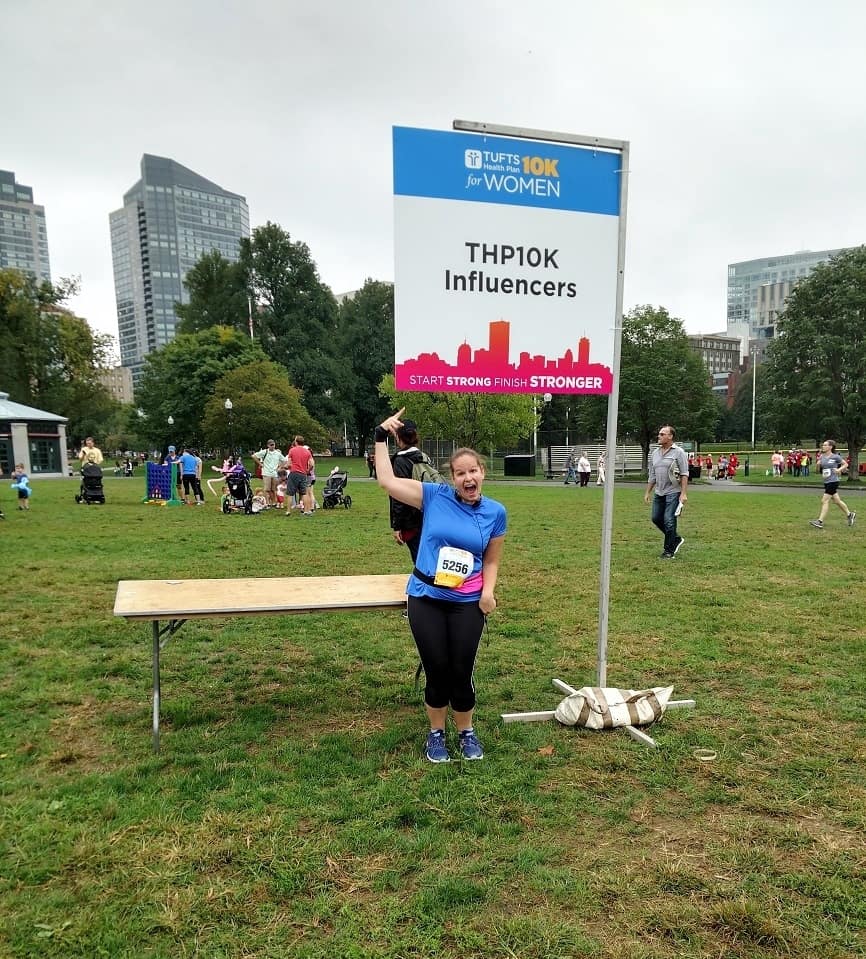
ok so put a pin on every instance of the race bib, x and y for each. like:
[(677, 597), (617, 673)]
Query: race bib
[(826, 473), (452, 567)]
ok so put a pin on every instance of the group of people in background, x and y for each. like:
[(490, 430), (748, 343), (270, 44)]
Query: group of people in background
[(578, 469), (292, 474), (725, 467), (189, 469), (796, 462)]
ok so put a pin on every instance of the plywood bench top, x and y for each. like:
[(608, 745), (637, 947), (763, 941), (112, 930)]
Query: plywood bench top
[(154, 599)]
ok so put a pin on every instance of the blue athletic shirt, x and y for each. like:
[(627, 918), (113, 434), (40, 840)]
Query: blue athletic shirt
[(450, 522)]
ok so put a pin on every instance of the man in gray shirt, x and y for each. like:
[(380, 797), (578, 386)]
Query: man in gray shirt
[(669, 474)]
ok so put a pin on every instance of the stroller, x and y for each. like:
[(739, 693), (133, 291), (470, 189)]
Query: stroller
[(332, 494), (91, 485), (239, 497)]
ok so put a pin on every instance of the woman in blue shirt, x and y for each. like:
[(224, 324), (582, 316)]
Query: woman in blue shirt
[(451, 589)]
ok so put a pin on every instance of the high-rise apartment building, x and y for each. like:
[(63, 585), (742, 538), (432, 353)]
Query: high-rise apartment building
[(170, 217), (23, 235), (757, 289)]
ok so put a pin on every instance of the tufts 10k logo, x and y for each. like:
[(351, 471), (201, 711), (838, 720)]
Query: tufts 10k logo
[(472, 159), (512, 173)]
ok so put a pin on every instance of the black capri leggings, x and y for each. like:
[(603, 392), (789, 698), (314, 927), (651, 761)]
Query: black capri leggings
[(447, 636)]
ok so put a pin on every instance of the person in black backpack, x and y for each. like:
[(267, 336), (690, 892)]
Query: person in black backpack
[(406, 520)]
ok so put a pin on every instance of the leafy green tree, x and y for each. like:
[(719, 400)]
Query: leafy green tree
[(218, 295), (482, 421), (296, 318), (817, 363), (736, 423), (265, 406), (366, 349), (662, 380), (572, 419), (50, 358), (180, 377)]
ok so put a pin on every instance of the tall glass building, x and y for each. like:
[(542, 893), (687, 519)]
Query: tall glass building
[(757, 289), (170, 217), (23, 235)]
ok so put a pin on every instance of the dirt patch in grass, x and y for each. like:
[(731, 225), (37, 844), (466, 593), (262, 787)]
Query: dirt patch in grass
[(77, 737)]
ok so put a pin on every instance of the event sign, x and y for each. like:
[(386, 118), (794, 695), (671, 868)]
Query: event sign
[(505, 264)]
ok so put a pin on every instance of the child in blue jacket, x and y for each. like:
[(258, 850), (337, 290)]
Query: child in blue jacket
[(21, 484)]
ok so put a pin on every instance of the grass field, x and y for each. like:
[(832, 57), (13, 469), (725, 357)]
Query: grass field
[(290, 814)]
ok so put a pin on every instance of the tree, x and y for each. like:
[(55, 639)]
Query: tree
[(265, 406), (737, 421), (817, 363), (179, 379), (366, 348), (218, 295), (50, 358), (662, 380), (297, 315), (572, 419), (481, 421)]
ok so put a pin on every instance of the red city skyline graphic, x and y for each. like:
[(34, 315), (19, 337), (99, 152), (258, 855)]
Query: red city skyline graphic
[(490, 369)]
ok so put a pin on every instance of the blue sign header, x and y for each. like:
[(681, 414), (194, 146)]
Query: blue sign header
[(486, 169)]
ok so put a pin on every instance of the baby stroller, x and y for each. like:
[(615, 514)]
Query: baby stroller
[(332, 495), (239, 497), (91, 485)]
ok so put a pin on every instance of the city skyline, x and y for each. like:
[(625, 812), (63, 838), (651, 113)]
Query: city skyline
[(170, 217), (23, 230), (490, 370), (696, 203)]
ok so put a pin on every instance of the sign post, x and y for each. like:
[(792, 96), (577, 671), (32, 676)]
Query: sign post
[(509, 264)]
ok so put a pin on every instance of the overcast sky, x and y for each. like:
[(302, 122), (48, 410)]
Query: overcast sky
[(746, 119)]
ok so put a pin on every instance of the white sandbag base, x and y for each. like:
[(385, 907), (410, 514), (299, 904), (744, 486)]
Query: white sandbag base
[(632, 730)]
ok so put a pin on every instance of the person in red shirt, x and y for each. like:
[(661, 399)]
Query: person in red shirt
[(301, 462)]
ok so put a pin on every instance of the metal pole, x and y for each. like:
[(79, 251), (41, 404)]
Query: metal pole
[(535, 427), (156, 686), (754, 370), (610, 455)]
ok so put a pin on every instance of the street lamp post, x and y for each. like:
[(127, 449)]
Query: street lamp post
[(754, 369), (229, 407), (547, 398)]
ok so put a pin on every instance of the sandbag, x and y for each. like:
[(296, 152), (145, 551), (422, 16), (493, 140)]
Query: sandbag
[(595, 707)]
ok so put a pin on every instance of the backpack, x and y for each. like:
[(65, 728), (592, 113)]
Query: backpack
[(424, 471)]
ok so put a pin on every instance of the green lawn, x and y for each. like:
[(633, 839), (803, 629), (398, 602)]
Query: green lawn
[(290, 813)]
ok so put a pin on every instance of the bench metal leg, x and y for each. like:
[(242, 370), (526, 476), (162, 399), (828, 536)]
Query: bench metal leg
[(156, 635)]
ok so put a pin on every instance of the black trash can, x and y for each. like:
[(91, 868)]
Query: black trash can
[(694, 472), (520, 464)]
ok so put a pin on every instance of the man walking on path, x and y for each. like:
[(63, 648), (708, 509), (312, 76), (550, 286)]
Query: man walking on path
[(669, 475), (831, 465)]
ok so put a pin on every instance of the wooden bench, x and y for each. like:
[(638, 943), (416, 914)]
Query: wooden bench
[(168, 603)]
